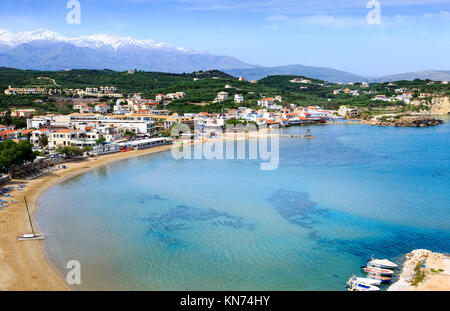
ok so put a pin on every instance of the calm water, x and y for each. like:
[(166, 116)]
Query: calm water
[(155, 223)]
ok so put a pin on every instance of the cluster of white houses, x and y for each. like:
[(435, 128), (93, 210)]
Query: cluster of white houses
[(85, 129), (169, 96)]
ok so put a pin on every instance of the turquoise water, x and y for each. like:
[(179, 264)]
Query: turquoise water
[(155, 223)]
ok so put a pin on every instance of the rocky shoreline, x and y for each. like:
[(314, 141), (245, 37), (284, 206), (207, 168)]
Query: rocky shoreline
[(424, 270), (410, 121)]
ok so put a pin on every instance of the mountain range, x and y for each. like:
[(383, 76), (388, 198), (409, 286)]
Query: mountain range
[(46, 50)]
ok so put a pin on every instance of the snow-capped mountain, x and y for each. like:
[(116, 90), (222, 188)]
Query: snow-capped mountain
[(92, 41), (47, 50)]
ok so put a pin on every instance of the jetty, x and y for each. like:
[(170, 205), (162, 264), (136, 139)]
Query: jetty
[(307, 135), (297, 136)]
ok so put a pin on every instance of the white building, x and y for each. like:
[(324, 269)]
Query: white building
[(238, 98), (101, 108), (300, 80), (350, 112), (266, 102), (221, 96)]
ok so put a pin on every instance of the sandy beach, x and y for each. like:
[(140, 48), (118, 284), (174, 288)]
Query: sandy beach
[(24, 265)]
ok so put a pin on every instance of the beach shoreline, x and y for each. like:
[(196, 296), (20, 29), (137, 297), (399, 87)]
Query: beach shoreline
[(25, 265)]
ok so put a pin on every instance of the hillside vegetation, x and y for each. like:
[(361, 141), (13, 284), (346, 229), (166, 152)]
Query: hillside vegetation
[(201, 91)]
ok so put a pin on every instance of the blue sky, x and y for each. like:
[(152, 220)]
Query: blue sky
[(413, 34)]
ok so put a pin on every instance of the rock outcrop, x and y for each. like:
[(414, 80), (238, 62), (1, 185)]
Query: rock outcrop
[(411, 121), (438, 105), (434, 268)]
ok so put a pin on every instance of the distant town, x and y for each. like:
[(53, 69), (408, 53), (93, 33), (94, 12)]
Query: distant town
[(100, 119)]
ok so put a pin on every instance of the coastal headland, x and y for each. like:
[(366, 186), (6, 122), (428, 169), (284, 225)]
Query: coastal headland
[(424, 270)]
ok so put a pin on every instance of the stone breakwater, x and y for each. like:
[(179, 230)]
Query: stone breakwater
[(408, 121), (424, 270)]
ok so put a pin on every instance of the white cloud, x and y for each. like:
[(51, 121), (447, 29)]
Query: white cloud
[(296, 6), (276, 18), (272, 27), (328, 20), (352, 21)]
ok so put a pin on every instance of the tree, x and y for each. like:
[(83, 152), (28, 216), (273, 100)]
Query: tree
[(7, 120), (43, 140), (13, 154), (69, 151), (101, 140)]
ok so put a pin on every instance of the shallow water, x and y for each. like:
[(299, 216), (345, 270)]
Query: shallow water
[(155, 223)]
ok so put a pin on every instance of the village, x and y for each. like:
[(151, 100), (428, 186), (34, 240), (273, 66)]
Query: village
[(100, 128), (102, 120)]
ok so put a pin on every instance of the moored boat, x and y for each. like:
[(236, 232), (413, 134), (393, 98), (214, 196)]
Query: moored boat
[(382, 278), (380, 271), (382, 263), (369, 281), (361, 287)]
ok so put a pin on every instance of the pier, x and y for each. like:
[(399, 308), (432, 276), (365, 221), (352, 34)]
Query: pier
[(297, 136), (307, 135)]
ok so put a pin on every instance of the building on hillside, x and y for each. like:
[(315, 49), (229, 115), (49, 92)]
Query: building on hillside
[(300, 80), (101, 108), (22, 113), (25, 91), (160, 97), (238, 98), (265, 102), (221, 96), (83, 108), (348, 112)]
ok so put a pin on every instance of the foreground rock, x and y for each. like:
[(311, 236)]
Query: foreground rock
[(411, 121), (415, 277)]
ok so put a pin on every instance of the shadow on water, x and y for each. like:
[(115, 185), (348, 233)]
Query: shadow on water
[(297, 208), (162, 225), (389, 241)]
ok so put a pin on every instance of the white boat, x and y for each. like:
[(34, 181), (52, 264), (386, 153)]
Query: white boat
[(368, 281), (30, 237), (382, 263), (360, 287)]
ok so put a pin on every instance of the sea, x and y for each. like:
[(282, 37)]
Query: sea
[(157, 223)]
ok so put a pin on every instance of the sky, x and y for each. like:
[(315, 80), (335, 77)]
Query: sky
[(412, 35)]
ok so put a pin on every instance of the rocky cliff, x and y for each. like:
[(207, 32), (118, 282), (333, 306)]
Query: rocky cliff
[(438, 105)]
